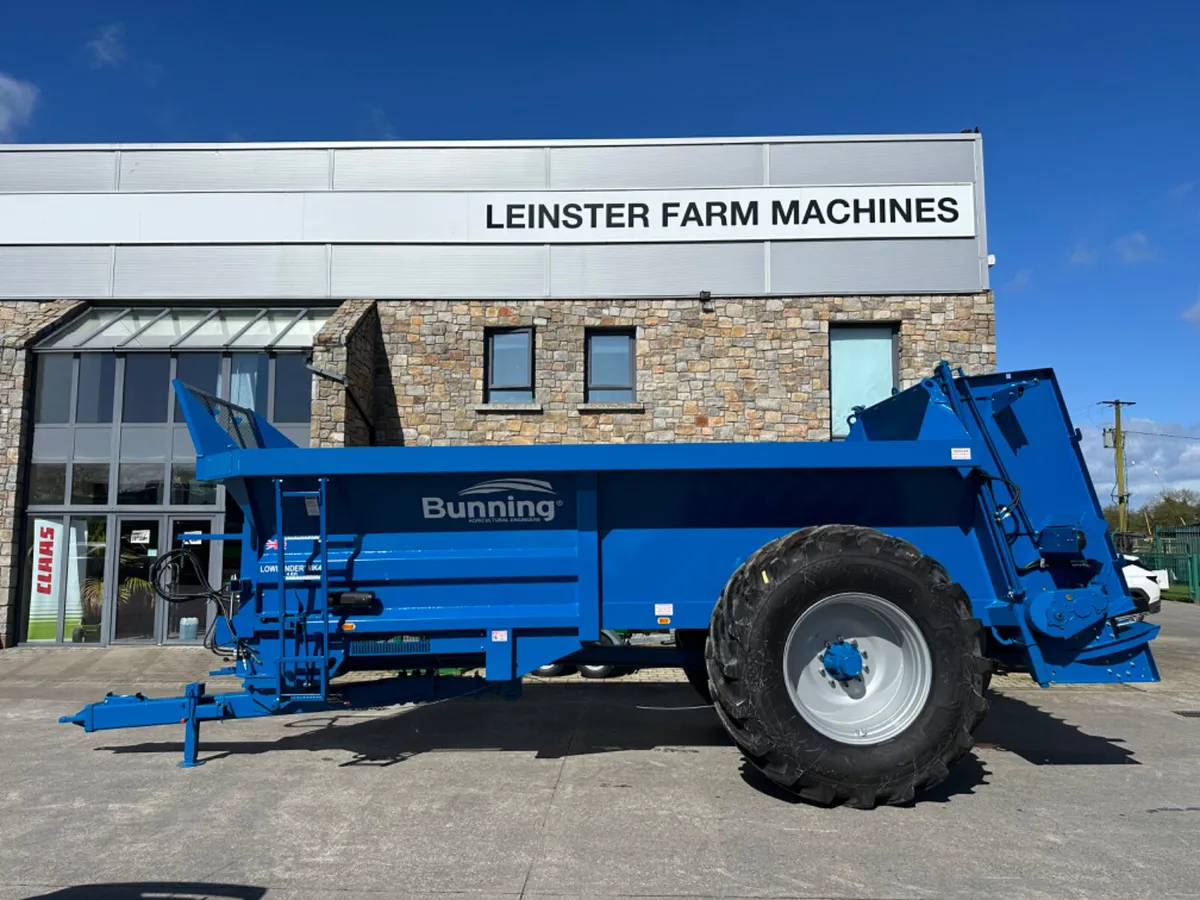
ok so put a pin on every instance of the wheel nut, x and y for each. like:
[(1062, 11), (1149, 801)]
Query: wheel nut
[(867, 669), (822, 673), (864, 654), (832, 683), (854, 644)]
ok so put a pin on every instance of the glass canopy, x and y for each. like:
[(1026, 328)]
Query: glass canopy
[(190, 328)]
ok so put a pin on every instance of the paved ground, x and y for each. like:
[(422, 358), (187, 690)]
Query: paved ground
[(616, 790)]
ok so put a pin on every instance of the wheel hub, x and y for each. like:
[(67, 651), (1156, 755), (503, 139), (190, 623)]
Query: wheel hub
[(857, 668), (842, 661)]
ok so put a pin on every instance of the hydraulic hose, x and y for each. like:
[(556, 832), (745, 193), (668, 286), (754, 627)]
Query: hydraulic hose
[(164, 576)]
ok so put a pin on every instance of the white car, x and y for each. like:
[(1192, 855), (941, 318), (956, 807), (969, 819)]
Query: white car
[(1145, 585)]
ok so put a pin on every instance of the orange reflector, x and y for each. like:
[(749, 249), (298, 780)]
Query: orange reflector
[(348, 626), (664, 621)]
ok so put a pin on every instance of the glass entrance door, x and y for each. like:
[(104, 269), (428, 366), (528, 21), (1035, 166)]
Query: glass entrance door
[(188, 620), (133, 597)]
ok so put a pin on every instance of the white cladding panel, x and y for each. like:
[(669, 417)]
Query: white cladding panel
[(872, 162), (874, 267), (51, 273), (79, 170), (224, 170), (438, 271), (311, 221), (630, 168), (489, 217), (221, 272), (650, 270), (440, 168)]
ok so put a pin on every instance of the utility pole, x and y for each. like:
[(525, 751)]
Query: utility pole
[(1118, 444)]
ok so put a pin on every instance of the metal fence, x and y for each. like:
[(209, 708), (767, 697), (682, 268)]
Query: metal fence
[(1177, 539), (1184, 569)]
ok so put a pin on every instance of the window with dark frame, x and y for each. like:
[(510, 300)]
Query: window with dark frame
[(508, 365), (611, 363)]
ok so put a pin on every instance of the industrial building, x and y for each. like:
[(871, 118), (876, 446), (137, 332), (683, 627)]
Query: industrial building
[(406, 294)]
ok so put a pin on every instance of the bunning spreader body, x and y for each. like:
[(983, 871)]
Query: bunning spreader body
[(842, 604)]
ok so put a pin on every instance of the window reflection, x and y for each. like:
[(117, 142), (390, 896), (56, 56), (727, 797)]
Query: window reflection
[(198, 370), (84, 597), (147, 383), (53, 405), (248, 381), (293, 389), (140, 484), (89, 483), (47, 483), (186, 490), (97, 380)]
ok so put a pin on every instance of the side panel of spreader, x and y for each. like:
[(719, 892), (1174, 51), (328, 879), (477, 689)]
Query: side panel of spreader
[(581, 551)]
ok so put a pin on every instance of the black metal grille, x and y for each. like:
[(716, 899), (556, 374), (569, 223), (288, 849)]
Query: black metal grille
[(388, 648), (1188, 713), (235, 421)]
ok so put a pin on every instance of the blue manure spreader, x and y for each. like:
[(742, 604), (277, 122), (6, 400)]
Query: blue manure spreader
[(842, 605)]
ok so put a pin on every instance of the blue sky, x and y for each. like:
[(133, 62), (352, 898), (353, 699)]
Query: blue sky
[(1090, 114)]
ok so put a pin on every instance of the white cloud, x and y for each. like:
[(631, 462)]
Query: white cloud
[(108, 46), (1180, 191), (1084, 255), (1192, 313), (1135, 248), (1156, 461), (382, 125), (17, 101), (1020, 281)]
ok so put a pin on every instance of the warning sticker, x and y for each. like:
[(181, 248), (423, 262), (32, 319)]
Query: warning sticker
[(499, 637), (960, 453), (664, 609)]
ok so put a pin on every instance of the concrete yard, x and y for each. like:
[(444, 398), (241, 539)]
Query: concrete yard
[(616, 790)]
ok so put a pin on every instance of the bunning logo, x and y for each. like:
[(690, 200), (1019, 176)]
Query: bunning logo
[(506, 509)]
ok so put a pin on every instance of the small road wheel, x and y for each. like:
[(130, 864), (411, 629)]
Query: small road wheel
[(847, 666), (551, 671), (608, 639)]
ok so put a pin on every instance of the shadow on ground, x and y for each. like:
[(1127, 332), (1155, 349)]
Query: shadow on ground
[(1011, 726), (155, 890), (550, 721), (1039, 738), (966, 775), (562, 720)]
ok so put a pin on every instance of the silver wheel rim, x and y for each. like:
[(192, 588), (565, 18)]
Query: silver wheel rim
[(896, 677)]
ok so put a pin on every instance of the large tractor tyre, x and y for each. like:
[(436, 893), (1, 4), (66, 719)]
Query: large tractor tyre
[(847, 666), (695, 639)]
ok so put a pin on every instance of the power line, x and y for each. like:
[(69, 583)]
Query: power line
[(1182, 437)]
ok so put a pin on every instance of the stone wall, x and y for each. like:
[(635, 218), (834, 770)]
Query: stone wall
[(22, 323), (346, 345), (755, 369)]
